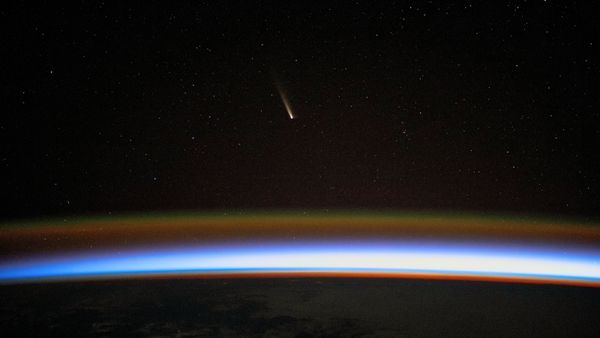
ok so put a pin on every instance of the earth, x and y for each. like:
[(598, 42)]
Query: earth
[(298, 308)]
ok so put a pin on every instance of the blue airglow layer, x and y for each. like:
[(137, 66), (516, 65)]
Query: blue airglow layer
[(544, 263)]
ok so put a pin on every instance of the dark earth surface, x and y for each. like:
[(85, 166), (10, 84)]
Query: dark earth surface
[(298, 308)]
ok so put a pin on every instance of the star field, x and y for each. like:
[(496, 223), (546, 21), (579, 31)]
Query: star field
[(466, 106)]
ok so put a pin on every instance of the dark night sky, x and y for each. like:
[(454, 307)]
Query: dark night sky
[(436, 106)]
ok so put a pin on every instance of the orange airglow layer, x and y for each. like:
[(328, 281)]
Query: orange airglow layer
[(83, 234)]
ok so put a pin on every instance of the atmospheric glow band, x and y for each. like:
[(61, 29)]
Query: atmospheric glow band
[(447, 261)]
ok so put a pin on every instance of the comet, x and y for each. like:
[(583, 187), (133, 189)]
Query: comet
[(285, 100)]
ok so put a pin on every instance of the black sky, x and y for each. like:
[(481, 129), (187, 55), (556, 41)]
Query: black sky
[(486, 107)]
